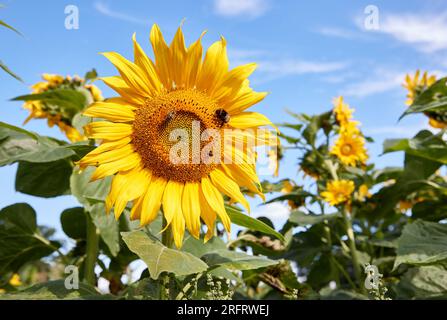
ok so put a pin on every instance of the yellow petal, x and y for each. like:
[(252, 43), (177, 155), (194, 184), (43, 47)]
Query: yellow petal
[(244, 178), (104, 147), (191, 208), (127, 93), (172, 199), (110, 111), (215, 202), (225, 185), (233, 81), (152, 200), (193, 62), (107, 169), (177, 55), (214, 67), (161, 53), (208, 215), (109, 156), (108, 130), (178, 229), (145, 64), (247, 120)]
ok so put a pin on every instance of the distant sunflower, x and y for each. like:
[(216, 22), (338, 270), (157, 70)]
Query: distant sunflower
[(415, 86), (175, 92), (350, 149), (343, 113), (338, 191), (56, 114)]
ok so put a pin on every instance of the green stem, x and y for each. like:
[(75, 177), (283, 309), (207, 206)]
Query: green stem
[(352, 248), (167, 240), (327, 231), (92, 251)]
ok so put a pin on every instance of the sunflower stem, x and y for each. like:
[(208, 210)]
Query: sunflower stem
[(352, 248), (92, 251), (167, 240)]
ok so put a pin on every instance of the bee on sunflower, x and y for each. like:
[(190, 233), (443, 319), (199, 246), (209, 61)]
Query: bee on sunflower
[(158, 102), (58, 114), (417, 84)]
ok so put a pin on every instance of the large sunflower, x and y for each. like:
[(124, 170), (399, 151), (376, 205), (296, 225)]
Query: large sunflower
[(177, 91)]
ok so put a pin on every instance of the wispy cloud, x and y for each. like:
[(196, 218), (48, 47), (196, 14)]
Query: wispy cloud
[(380, 81), (425, 32), (105, 10), (397, 130), (247, 8), (337, 32)]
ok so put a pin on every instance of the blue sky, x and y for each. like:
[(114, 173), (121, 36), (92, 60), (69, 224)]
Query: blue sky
[(308, 53)]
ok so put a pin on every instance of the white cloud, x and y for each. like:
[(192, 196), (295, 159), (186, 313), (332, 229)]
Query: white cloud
[(231, 8), (402, 130), (105, 10), (426, 32), (381, 81), (337, 32), (277, 212)]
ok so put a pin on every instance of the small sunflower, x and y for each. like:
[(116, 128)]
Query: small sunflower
[(56, 114), (343, 113), (416, 84), (350, 149), (338, 191), (177, 91), (363, 192)]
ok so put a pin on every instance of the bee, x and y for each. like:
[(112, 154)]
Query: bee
[(170, 116), (223, 116)]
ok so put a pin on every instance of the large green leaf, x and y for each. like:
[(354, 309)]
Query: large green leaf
[(20, 238), (425, 144), (89, 192), (74, 222), (17, 144), (424, 282), (71, 101), (422, 243), (48, 179), (236, 260), (159, 258), (55, 290), (198, 248), (108, 227), (243, 220)]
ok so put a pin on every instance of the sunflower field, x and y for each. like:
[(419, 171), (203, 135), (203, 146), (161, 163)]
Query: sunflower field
[(164, 173)]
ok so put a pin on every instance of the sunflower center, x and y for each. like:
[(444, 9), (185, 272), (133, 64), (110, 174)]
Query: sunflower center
[(173, 134), (346, 149)]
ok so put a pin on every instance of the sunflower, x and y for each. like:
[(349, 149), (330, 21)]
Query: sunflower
[(343, 113), (56, 114), (176, 96), (350, 149), (338, 191), (363, 192), (416, 84)]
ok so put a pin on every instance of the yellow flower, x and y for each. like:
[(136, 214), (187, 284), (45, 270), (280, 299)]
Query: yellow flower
[(416, 84), (437, 124), (342, 111), (350, 149), (15, 280), (55, 114), (338, 191), (364, 193), (178, 91)]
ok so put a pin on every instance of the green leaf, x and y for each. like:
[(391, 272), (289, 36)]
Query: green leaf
[(159, 258), (4, 24), (425, 282), (422, 243), (55, 290), (243, 220), (17, 144), (236, 260), (425, 145), (108, 227), (198, 248), (89, 193), (301, 218), (91, 75), (20, 239), (9, 71), (49, 179), (433, 98), (74, 223), (72, 101)]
